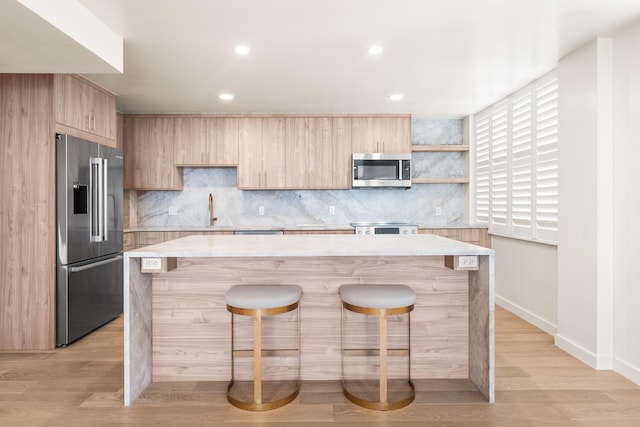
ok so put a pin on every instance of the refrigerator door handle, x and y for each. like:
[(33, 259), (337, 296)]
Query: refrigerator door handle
[(98, 199), (95, 264), (94, 189), (105, 194)]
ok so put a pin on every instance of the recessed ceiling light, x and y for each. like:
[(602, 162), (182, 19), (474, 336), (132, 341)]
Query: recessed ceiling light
[(242, 50), (226, 96), (376, 50), (396, 97)]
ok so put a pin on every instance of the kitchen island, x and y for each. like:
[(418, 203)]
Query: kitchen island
[(177, 327)]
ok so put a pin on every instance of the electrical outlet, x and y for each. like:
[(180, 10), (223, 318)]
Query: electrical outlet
[(152, 264), (468, 261), (332, 210), (173, 210), (438, 211), (261, 210)]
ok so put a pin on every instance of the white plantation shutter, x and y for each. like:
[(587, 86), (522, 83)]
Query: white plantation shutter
[(521, 164), (546, 210), (516, 145), (500, 168), (483, 166)]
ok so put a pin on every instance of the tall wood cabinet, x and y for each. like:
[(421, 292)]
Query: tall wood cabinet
[(33, 107)]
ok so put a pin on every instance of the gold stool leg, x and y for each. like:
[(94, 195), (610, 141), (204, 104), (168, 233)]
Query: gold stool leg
[(257, 359), (383, 358)]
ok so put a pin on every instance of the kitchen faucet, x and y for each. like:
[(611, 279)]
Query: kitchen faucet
[(212, 219)]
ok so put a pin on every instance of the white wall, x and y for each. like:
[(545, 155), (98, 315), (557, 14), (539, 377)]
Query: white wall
[(627, 202), (585, 282), (526, 280)]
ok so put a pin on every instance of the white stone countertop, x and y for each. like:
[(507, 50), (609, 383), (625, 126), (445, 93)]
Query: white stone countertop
[(315, 245), (296, 227)]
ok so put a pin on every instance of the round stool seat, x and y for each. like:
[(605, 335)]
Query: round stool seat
[(260, 297), (378, 296)]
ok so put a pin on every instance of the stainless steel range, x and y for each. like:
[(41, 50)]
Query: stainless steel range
[(384, 228)]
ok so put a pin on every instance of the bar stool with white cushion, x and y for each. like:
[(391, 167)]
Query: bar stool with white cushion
[(382, 301), (258, 301)]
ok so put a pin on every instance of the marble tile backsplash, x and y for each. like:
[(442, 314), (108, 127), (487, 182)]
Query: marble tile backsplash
[(238, 208)]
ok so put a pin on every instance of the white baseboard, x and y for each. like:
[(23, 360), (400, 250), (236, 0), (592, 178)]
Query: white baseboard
[(626, 370), (575, 350), (525, 314)]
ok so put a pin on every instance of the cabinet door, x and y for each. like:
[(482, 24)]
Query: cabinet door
[(309, 151), (297, 138), (191, 141), (319, 153), (226, 147), (381, 134), (363, 139), (262, 153), (146, 238), (101, 109), (341, 141), (150, 145), (250, 154), (71, 102), (397, 135), (273, 152)]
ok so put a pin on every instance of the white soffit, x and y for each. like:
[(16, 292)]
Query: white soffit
[(44, 36)]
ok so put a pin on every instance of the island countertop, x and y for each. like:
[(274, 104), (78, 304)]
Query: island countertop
[(328, 245)]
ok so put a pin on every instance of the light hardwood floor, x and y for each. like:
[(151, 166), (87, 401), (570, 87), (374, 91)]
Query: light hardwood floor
[(537, 384)]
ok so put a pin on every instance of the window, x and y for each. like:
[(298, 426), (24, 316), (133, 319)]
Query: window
[(516, 168)]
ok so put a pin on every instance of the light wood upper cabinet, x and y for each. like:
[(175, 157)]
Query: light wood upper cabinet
[(295, 153), (309, 153), (84, 106), (148, 151), (206, 141), (261, 153), (381, 134)]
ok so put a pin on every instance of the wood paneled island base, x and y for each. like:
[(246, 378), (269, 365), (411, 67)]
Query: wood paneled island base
[(177, 327)]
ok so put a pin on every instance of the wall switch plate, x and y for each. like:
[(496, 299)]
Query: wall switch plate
[(152, 264), (261, 210), (438, 211), (468, 261), (462, 262), (173, 210), (332, 210), (158, 264)]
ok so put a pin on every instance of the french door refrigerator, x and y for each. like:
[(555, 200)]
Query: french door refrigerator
[(89, 284)]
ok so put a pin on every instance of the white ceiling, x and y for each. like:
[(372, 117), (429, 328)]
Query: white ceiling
[(449, 58)]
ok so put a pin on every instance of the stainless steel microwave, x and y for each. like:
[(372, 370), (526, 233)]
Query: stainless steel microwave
[(381, 170)]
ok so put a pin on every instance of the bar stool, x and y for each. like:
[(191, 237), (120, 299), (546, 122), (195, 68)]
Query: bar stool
[(381, 301), (258, 301)]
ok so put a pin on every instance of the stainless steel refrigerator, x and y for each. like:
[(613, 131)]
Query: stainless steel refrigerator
[(89, 284)]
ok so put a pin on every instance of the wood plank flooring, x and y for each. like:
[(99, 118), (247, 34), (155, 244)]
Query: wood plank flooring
[(537, 384)]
